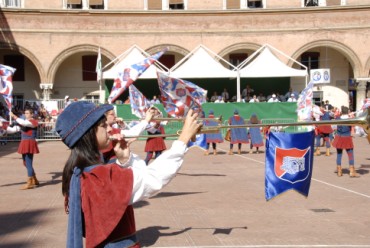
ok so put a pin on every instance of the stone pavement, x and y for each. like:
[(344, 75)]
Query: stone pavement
[(214, 201)]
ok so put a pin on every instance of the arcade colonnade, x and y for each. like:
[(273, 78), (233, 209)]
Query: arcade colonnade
[(53, 52)]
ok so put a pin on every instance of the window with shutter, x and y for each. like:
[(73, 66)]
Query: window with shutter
[(255, 4), (309, 3), (333, 2), (310, 60), (176, 4), (233, 4), (154, 4), (13, 3), (88, 67), (96, 4), (74, 4)]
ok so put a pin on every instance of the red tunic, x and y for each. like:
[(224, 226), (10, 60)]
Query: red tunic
[(324, 129), (28, 142), (156, 144), (105, 195), (343, 142)]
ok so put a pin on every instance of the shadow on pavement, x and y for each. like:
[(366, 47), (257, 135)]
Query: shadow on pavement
[(149, 236), (170, 194), (14, 222), (9, 148)]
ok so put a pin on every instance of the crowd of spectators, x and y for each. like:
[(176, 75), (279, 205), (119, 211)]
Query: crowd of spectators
[(248, 95)]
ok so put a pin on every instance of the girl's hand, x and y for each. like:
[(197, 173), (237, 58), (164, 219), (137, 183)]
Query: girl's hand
[(13, 115), (149, 114), (191, 127), (122, 150)]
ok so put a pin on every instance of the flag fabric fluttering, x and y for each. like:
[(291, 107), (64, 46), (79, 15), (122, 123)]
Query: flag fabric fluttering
[(178, 96), (200, 141), (139, 103), (6, 84), (289, 162), (98, 67), (304, 103), (129, 75)]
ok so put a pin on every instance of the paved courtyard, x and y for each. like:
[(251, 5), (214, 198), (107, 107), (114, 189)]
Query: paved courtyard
[(214, 201)]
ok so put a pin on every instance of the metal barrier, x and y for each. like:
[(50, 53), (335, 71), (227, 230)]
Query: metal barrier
[(46, 130)]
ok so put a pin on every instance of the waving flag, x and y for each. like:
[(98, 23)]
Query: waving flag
[(129, 75), (98, 67), (289, 159), (305, 102), (6, 84), (178, 96), (200, 141), (139, 103)]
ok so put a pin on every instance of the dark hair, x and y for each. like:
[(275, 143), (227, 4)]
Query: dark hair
[(254, 119), (84, 153), (344, 110), (29, 109)]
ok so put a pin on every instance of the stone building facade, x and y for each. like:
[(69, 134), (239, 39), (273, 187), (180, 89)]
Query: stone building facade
[(55, 41)]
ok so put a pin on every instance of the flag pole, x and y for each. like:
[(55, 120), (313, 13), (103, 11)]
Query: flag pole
[(99, 73)]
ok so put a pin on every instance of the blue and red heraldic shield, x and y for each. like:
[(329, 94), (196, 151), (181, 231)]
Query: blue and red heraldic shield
[(289, 160)]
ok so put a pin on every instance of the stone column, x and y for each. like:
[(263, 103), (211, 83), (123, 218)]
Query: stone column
[(360, 93)]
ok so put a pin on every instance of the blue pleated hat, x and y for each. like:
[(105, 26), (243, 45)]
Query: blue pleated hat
[(77, 119)]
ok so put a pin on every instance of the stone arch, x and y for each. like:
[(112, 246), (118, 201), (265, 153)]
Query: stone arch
[(367, 68), (70, 51), (29, 55), (348, 53), (172, 48), (238, 46)]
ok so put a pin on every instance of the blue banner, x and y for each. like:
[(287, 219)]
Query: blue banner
[(289, 159), (200, 142)]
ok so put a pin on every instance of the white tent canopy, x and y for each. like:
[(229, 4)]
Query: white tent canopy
[(132, 56), (201, 63), (266, 64)]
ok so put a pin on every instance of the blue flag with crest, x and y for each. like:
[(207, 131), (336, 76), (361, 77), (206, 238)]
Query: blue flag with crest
[(289, 159)]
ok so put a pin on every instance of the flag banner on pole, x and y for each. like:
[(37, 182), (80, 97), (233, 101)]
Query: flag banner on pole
[(289, 160), (139, 103), (6, 84), (98, 67), (200, 141), (178, 96), (305, 102), (129, 75)]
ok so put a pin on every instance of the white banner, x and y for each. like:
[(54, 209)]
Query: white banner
[(320, 76)]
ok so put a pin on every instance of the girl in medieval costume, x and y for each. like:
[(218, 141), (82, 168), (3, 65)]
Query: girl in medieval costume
[(99, 196), (28, 145), (343, 141), (155, 145), (323, 131)]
